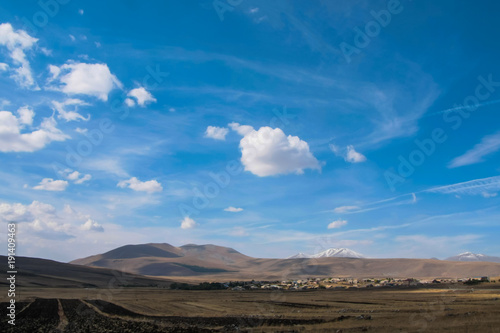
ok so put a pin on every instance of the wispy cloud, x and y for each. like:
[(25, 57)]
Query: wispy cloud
[(462, 107), (488, 145), (345, 209), (471, 187), (349, 154)]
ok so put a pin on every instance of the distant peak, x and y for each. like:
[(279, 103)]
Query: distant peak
[(329, 253)]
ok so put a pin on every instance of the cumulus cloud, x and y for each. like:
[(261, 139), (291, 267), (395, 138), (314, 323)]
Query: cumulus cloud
[(130, 102), (44, 221), (488, 145), (268, 152), (349, 154), (337, 224), (85, 79), (217, 133), (75, 176), (18, 42), (345, 209), (91, 225), (141, 95), (26, 115), (70, 115), (233, 209), (188, 223), (15, 138), (49, 184), (135, 184)]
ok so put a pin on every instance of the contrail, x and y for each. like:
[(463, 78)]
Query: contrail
[(462, 107)]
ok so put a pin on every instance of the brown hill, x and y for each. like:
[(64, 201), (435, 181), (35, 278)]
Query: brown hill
[(167, 260), (216, 263), (35, 272)]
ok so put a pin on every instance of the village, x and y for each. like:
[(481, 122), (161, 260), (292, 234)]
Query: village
[(338, 283), (332, 283)]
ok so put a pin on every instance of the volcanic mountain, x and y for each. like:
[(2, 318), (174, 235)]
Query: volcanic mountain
[(469, 256), (330, 253)]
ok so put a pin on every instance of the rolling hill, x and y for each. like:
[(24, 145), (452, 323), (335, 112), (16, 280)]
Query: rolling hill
[(35, 272), (167, 260)]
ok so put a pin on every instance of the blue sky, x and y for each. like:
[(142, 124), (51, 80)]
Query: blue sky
[(272, 128)]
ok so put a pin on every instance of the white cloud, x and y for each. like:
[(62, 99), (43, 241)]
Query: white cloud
[(45, 51), (142, 96), (489, 195), (217, 133), (80, 11), (353, 156), (12, 140), (349, 154), (44, 221), (130, 102), (149, 186), (241, 129), (70, 115), (81, 130), (75, 176), (337, 224), (83, 179), (26, 115), (233, 209), (3, 66), (239, 232), (85, 79), (17, 42), (49, 184), (91, 225), (72, 37), (345, 209), (488, 145), (112, 165), (188, 223), (269, 152)]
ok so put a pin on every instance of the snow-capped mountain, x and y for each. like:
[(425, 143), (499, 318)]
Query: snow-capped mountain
[(333, 252), (469, 256), (299, 255)]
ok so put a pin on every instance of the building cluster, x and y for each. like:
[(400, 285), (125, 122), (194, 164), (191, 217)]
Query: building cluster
[(338, 283)]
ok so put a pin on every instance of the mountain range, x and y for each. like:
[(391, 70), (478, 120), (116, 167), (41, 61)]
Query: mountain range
[(330, 253), (216, 263), (469, 256)]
